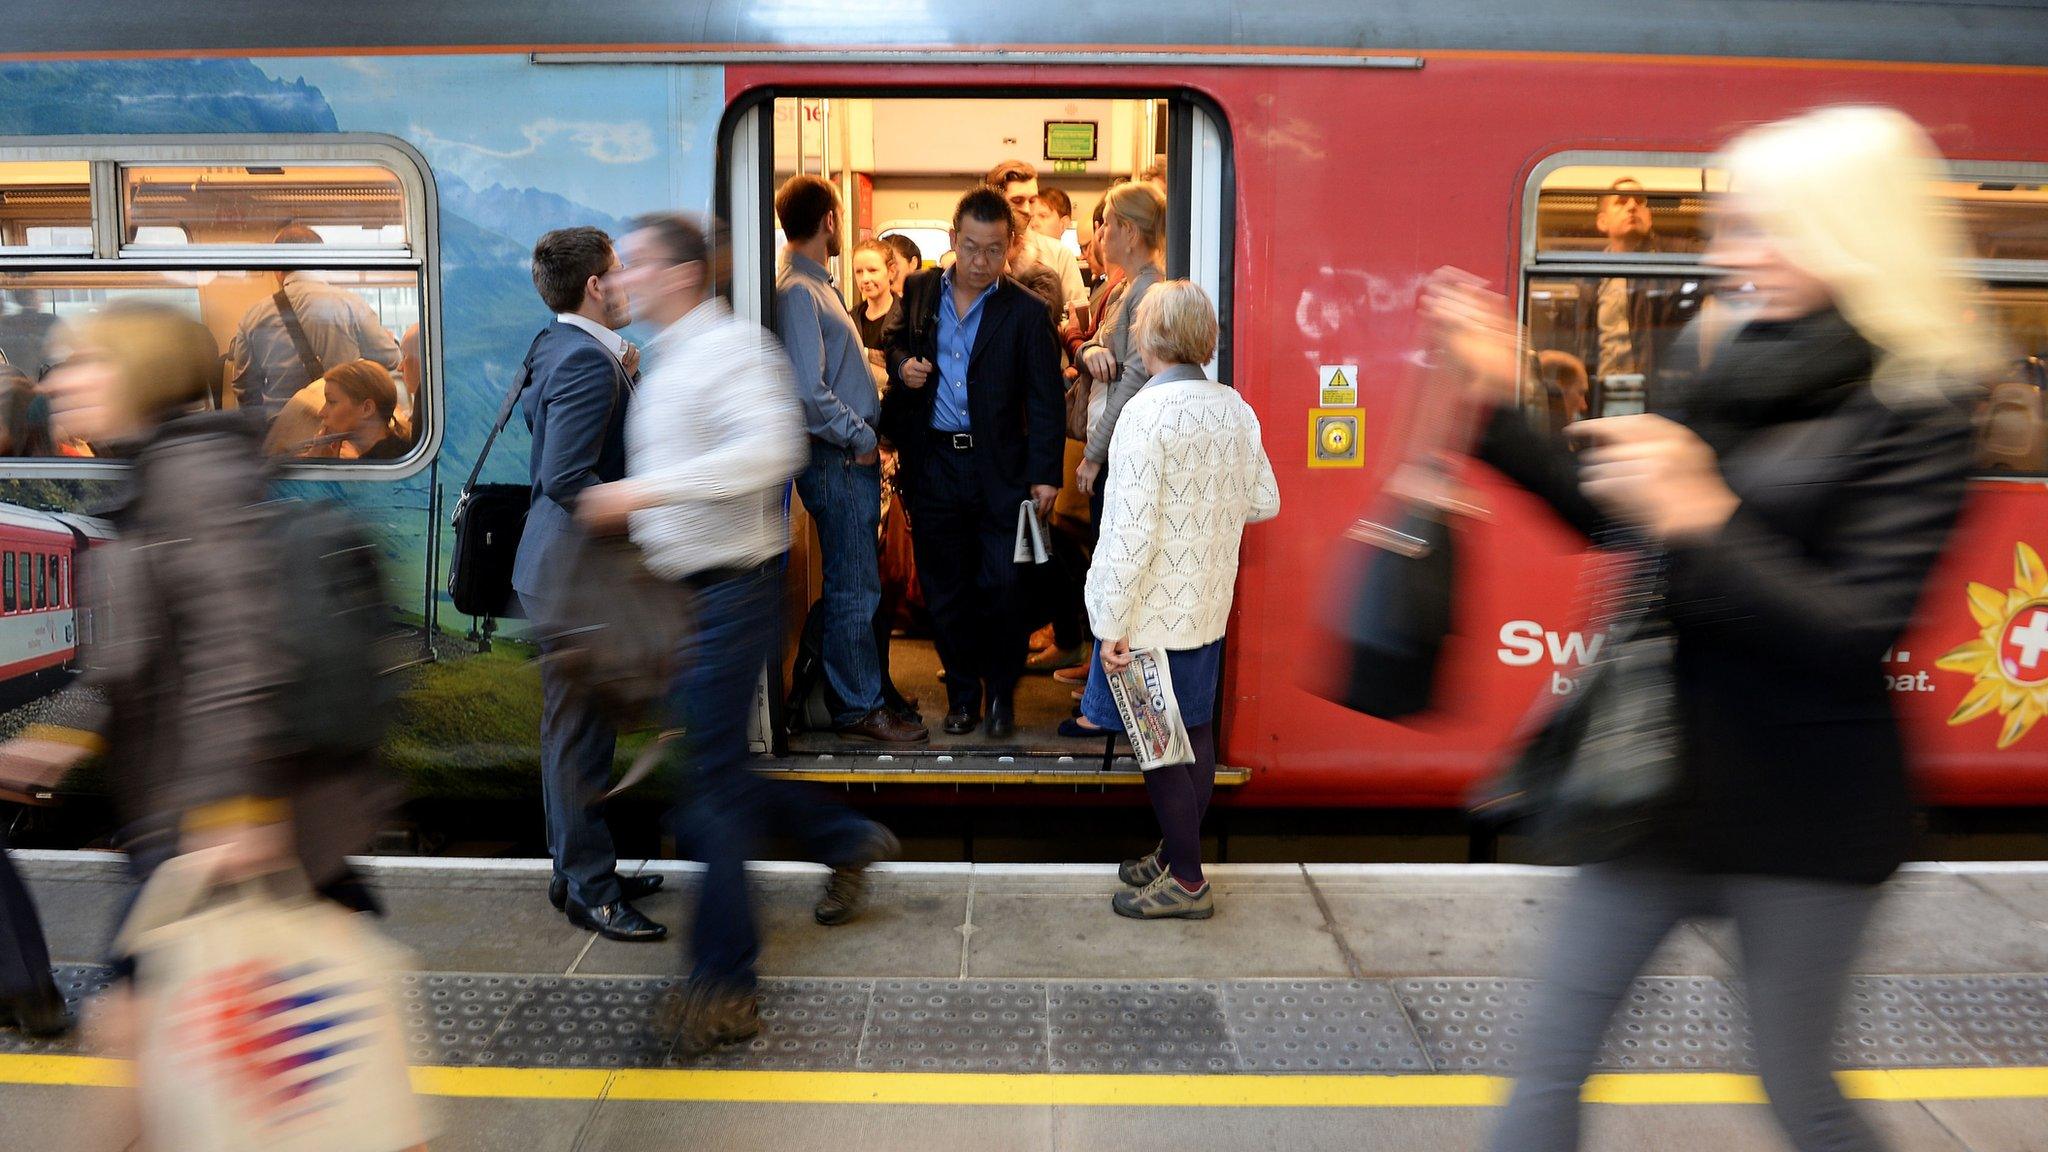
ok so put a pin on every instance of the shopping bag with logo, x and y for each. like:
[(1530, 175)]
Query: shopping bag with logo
[(267, 1019)]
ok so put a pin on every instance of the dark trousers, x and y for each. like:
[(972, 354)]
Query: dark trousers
[(576, 748), (966, 538), (1798, 937), (24, 957), (1180, 796), (727, 811)]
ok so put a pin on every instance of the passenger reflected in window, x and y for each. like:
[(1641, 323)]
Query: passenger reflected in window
[(24, 416), (290, 338), (1566, 388), (25, 328), (360, 403)]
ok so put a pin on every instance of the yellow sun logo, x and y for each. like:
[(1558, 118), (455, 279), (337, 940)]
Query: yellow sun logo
[(2010, 657)]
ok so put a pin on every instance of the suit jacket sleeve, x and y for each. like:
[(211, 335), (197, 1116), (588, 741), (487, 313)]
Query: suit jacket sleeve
[(1045, 405), (576, 402), (1840, 601)]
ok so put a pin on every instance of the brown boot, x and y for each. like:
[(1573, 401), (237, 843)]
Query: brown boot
[(885, 726), (704, 1016)]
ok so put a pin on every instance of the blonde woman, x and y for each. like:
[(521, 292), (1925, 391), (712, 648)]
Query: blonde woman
[(1162, 576), (1133, 238), (1793, 499)]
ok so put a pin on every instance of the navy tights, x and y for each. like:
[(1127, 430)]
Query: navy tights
[(1180, 797)]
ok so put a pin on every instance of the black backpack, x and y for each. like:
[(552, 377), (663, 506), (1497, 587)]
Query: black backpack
[(337, 631)]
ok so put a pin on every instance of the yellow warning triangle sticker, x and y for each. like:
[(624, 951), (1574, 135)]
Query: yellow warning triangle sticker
[(1337, 380)]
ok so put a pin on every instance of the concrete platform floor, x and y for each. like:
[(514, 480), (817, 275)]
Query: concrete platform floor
[(1426, 962)]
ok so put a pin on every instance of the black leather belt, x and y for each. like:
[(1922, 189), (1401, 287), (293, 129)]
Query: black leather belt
[(957, 441)]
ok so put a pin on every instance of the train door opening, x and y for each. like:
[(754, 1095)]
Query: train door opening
[(900, 164)]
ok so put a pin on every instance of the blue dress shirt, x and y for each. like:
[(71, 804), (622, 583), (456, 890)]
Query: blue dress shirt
[(956, 352)]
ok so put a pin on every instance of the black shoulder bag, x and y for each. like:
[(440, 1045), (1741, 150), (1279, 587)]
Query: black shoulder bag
[(489, 519)]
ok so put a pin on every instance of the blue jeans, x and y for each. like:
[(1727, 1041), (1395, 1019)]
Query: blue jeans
[(845, 499), (726, 809)]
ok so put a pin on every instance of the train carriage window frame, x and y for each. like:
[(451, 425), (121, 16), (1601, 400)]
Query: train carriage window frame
[(1688, 180), (111, 158)]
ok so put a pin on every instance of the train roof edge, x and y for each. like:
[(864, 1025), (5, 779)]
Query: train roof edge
[(1981, 32)]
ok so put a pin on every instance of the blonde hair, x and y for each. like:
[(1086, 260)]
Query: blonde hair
[(1142, 207), (1846, 194), (1176, 324), (164, 359)]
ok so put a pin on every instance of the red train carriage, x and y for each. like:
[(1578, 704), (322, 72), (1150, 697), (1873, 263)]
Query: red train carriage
[(1321, 159)]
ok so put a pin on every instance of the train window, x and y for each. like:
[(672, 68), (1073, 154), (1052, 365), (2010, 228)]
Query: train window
[(7, 594), (252, 237), (42, 590), (46, 206), (1617, 303), (336, 206)]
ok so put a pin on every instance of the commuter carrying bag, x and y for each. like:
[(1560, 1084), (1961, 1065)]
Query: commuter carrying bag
[(1597, 778), (616, 630), (268, 1019), (288, 315), (489, 520)]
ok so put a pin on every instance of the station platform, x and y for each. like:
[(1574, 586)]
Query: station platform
[(1006, 1007)]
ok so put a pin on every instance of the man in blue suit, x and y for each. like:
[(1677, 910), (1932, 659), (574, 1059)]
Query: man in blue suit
[(581, 379)]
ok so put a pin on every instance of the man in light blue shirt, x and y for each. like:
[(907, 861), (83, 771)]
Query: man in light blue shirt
[(841, 487)]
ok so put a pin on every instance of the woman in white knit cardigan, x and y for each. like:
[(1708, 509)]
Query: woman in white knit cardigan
[(1187, 472)]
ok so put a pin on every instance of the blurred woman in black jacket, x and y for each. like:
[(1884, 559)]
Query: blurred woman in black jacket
[(1791, 501)]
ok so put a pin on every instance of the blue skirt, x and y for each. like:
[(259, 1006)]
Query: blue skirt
[(1196, 673)]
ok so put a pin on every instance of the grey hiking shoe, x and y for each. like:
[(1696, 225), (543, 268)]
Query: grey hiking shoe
[(1145, 869), (846, 887), (704, 1016), (1165, 899)]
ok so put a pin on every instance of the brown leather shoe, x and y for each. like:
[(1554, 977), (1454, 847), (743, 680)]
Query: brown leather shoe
[(885, 726)]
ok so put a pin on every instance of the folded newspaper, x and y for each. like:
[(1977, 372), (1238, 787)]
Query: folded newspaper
[(1143, 692), (1031, 548)]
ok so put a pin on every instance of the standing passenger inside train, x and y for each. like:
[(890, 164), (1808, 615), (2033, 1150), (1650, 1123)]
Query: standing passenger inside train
[(1052, 214), (1770, 539), (715, 439), (1134, 240), (290, 338), (1017, 180), (841, 486), (576, 403), (1634, 319), (1188, 471), (875, 275), (975, 409), (909, 258)]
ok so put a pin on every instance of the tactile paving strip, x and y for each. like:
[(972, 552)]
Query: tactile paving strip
[(1163, 1027), (951, 1026), (806, 1025), (2003, 1017), (78, 982), (1306, 1026), (1884, 1025), (564, 1022), (453, 1017), (1467, 1025), (1678, 1024)]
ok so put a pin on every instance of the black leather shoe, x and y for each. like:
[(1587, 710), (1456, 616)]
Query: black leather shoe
[(630, 888), (1002, 720), (39, 1014), (616, 921), (961, 720)]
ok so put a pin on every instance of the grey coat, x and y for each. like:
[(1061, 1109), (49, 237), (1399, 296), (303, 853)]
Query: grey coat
[(184, 650), (1115, 335)]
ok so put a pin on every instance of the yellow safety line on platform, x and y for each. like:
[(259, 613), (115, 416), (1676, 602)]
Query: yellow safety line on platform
[(1130, 1091)]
